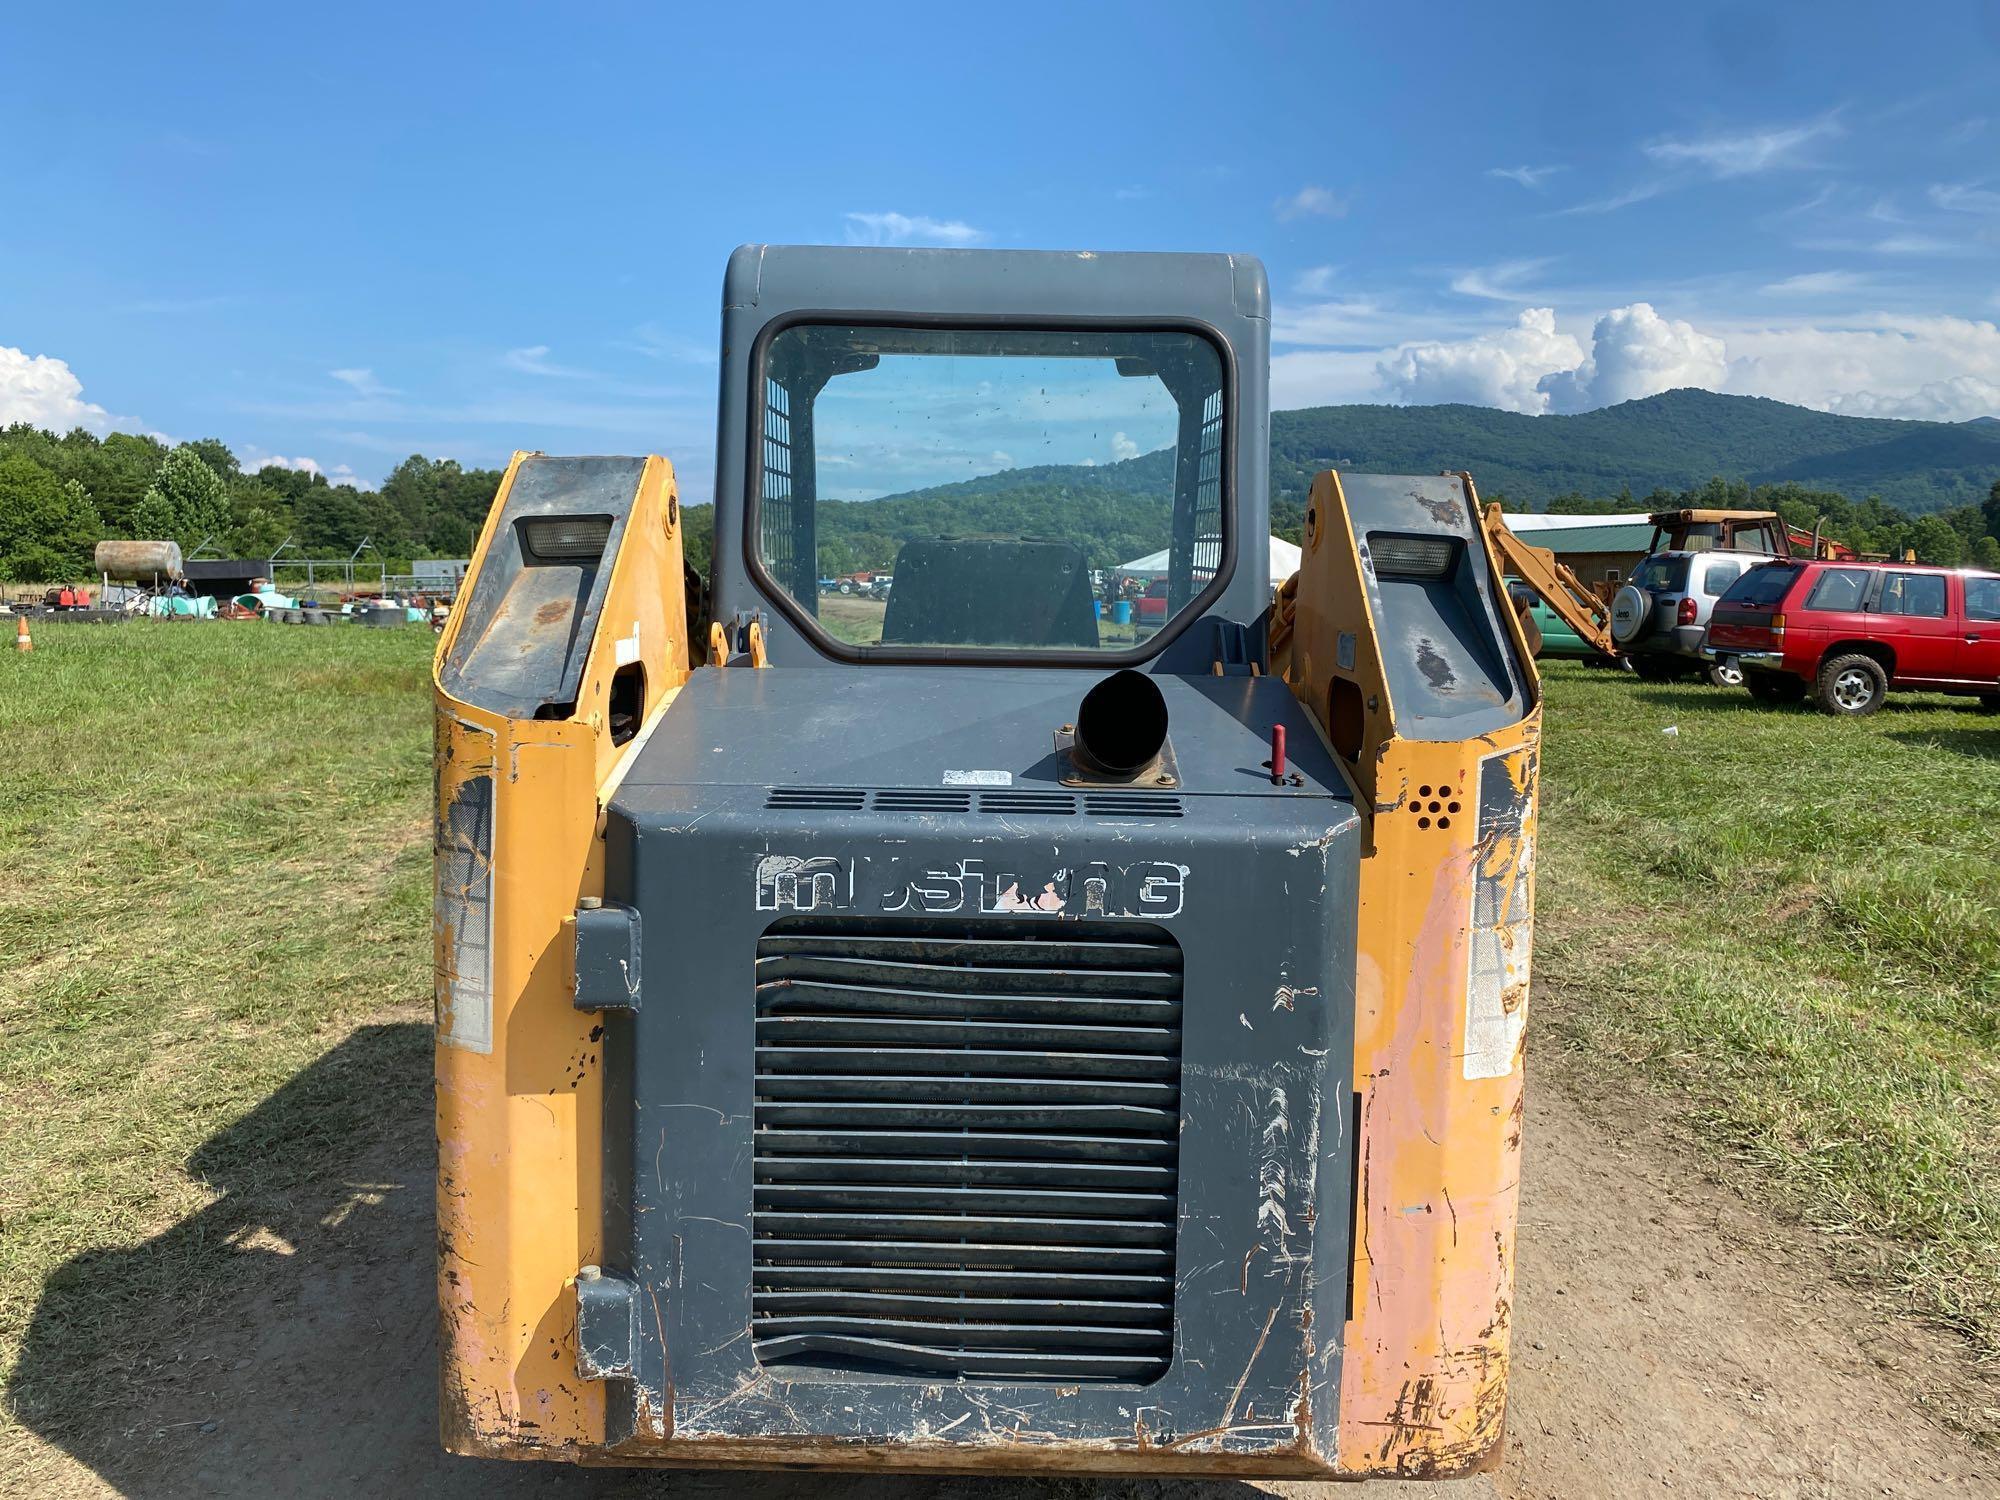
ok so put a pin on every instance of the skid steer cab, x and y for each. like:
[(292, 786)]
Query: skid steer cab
[(969, 1021)]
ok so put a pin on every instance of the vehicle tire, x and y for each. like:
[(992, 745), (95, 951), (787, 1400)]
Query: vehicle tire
[(1989, 703), (1774, 687), (846, 588), (1852, 686), (1656, 668), (1631, 613), (1726, 673)]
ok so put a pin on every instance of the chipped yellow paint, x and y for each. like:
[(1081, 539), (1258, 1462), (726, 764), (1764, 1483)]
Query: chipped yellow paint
[(1424, 1371), (519, 1126)]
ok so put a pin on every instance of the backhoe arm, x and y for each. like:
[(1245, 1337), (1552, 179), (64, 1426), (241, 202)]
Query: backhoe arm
[(1558, 587)]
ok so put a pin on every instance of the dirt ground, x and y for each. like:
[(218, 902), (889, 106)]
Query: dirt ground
[(1670, 1340)]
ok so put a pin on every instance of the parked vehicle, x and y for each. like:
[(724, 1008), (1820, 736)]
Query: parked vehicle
[(1847, 632), (1559, 637), (1660, 615), (879, 585), (1759, 531), (1152, 605)]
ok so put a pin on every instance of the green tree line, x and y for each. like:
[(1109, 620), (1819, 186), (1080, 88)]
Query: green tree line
[(60, 496)]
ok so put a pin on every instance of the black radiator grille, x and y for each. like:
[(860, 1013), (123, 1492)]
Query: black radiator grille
[(967, 1149)]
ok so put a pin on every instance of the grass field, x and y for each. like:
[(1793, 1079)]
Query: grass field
[(214, 866), (214, 854), (1791, 924)]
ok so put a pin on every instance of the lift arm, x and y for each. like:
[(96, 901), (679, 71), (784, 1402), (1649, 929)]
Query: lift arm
[(1558, 587)]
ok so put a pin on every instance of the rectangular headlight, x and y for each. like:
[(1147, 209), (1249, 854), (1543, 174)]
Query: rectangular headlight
[(565, 538), (1412, 556)]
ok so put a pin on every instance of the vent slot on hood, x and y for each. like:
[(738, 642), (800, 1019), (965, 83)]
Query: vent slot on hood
[(967, 1149)]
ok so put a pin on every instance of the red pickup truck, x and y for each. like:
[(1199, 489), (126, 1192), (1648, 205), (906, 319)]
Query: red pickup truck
[(1847, 632)]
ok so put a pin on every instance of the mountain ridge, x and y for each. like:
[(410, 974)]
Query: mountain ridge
[(1674, 440)]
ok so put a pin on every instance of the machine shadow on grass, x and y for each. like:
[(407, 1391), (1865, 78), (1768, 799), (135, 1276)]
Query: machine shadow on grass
[(283, 1339)]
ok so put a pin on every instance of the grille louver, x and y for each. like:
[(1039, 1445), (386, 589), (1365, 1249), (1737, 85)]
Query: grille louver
[(967, 1149), (1119, 804)]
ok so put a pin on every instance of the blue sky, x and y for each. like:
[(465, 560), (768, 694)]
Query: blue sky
[(339, 236)]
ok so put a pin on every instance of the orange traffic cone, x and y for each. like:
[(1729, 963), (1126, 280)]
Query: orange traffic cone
[(22, 640)]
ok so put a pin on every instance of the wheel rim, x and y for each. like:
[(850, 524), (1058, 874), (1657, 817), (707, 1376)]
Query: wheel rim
[(1853, 688)]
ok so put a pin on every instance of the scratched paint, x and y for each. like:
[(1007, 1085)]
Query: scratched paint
[(1502, 937), (519, 1188), (462, 913)]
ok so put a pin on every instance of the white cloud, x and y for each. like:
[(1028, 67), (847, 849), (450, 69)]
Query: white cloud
[(1123, 447), (1965, 197), (1531, 178), (658, 343), (1315, 281), (1958, 399), (1747, 152), (1499, 283), (1322, 377), (1916, 244), (253, 460), (1817, 284), (1882, 365), (1617, 201), (1875, 364), (1315, 202), (1340, 320), (910, 229), (1635, 352), (535, 360), (1504, 368), (362, 382), (41, 390)]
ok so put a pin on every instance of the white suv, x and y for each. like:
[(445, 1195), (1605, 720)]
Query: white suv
[(1661, 614)]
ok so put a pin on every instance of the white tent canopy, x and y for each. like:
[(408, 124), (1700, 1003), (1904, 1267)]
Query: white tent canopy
[(1284, 560)]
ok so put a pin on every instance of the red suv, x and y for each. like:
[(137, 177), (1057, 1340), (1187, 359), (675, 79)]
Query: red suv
[(1849, 631)]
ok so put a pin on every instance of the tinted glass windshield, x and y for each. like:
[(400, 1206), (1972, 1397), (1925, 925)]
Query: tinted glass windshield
[(1662, 575), (1002, 489), (1839, 589), (1920, 594), (1719, 576), (1765, 585), (1982, 598)]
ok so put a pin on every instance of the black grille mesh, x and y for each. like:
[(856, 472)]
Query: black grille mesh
[(967, 1148)]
